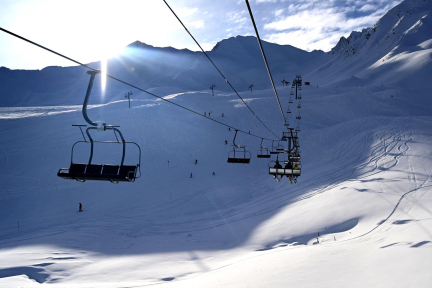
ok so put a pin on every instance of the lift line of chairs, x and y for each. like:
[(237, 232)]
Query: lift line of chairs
[(101, 172), (128, 173), (291, 168)]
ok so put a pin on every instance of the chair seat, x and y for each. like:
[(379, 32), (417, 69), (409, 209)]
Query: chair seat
[(263, 156), (99, 172), (239, 160), (282, 171)]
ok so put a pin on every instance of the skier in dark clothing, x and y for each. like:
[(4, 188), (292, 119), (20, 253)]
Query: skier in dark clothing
[(196, 161), (80, 207), (214, 174), (226, 142)]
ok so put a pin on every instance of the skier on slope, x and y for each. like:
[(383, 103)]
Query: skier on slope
[(196, 161), (80, 207)]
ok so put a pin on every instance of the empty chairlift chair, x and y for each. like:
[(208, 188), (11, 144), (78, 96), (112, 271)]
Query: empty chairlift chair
[(239, 154), (264, 152), (101, 172)]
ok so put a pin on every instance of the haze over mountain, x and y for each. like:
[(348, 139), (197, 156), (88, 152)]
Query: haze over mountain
[(399, 43)]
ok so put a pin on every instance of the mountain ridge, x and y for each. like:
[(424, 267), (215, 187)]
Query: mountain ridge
[(365, 57)]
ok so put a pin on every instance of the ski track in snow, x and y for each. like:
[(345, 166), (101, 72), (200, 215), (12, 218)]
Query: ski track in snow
[(373, 151)]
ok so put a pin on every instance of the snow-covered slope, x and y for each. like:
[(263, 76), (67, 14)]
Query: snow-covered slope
[(150, 67), (396, 51), (360, 215), (367, 167)]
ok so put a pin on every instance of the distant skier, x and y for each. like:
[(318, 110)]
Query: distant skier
[(226, 142), (214, 174), (80, 207), (205, 114), (196, 161), (229, 129), (223, 115), (191, 175)]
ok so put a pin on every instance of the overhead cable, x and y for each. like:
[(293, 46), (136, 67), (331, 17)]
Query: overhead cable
[(223, 76), (128, 84), (265, 60)]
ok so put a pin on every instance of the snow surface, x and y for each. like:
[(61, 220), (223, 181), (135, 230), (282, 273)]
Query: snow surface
[(365, 185)]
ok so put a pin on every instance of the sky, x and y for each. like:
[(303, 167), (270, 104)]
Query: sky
[(90, 30)]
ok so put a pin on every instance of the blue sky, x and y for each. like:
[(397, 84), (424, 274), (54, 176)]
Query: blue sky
[(89, 30)]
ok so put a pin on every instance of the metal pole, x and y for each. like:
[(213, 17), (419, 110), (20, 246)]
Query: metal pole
[(124, 144), (91, 144), (87, 97)]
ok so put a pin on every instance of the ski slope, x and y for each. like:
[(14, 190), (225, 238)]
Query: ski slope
[(365, 182), (360, 215)]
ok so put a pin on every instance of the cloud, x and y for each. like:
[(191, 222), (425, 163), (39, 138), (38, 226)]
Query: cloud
[(263, 1), (185, 12), (237, 22), (278, 12), (196, 24), (319, 24), (367, 7)]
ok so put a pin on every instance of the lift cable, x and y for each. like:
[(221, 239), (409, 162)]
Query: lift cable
[(223, 76), (128, 84), (265, 60)]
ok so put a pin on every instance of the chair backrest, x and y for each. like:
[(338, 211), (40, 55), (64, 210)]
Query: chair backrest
[(94, 169), (110, 169), (76, 168)]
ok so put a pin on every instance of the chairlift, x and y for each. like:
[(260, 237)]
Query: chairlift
[(289, 170), (299, 105), (290, 101), (101, 172), (264, 152), (298, 117), (239, 153), (276, 149), (288, 111)]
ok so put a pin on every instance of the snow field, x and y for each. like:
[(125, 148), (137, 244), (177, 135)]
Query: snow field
[(365, 183)]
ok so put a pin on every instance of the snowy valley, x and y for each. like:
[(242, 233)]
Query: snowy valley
[(359, 216)]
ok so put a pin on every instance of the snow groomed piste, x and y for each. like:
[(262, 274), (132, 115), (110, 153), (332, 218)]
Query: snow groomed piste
[(359, 217)]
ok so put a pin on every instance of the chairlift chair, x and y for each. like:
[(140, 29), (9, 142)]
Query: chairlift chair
[(278, 171), (264, 152), (277, 149), (239, 154), (101, 172)]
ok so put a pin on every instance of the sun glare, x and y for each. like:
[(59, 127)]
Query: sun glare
[(103, 74)]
